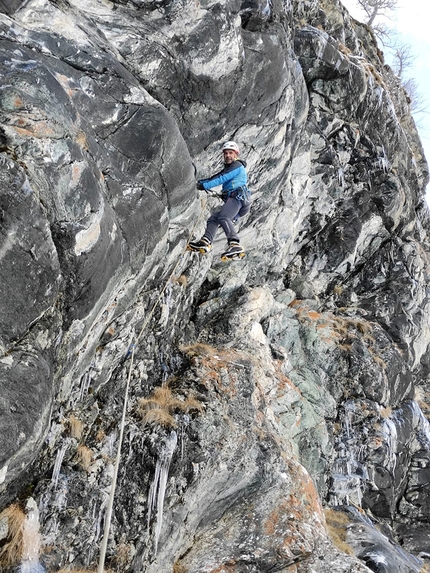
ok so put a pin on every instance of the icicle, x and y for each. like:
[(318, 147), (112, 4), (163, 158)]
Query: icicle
[(382, 162), (379, 92), (29, 567), (166, 305), (79, 393), (348, 472), (389, 429), (153, 492), (31, 540), (420, 424), (349, 410), (100, 515), (182, 432), (164, 470), (109, 444), (85, 385), (158, 487), (55, 496), (53, 435), (58, 461), (52, 502)]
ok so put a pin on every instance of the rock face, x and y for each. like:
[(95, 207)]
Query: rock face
[(277, 415)]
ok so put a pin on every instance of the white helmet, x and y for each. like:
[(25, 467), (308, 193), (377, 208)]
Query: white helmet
[(230, 145)]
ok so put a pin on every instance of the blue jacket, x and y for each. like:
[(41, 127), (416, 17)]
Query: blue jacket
[(231, 177)]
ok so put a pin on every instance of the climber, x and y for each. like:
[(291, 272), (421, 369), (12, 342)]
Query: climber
[(237, 203)]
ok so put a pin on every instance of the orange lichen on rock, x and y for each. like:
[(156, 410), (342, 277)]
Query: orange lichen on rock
[(301, 505), (37, 129), (276, 519), (284, 383)]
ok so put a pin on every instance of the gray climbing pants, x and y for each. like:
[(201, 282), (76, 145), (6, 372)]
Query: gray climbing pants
[(232, 209)]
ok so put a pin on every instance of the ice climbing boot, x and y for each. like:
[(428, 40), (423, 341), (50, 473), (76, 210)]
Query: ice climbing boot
[(203, 246), (234, 251)]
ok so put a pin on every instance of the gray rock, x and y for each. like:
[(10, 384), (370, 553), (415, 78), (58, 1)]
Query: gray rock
[(272, 387)]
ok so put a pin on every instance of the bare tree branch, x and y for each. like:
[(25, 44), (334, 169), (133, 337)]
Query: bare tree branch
[(418, 102), (376, 8), (401, 53), (403, 59)]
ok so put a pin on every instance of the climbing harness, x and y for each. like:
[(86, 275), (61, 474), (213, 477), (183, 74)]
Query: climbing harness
[(241, 193), (130, 352)]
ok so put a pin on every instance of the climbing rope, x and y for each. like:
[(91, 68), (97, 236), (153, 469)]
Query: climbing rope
[(132, 345)]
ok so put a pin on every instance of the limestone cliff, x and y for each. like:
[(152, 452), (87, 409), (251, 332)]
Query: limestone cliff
[(277, 410)]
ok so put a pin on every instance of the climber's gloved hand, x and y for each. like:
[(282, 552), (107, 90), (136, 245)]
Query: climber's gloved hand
[(200, 186)]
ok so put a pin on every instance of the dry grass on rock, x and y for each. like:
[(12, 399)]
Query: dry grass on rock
[(160, 407), (337, 522), (11, 551)]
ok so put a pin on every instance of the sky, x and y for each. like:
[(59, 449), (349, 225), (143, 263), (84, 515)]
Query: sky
[(410, 20)]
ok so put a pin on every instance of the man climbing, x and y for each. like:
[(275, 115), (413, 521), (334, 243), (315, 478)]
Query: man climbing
[(237, 203)]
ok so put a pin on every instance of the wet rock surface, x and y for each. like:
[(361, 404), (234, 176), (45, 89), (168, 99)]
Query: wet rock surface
[(262, 392)]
